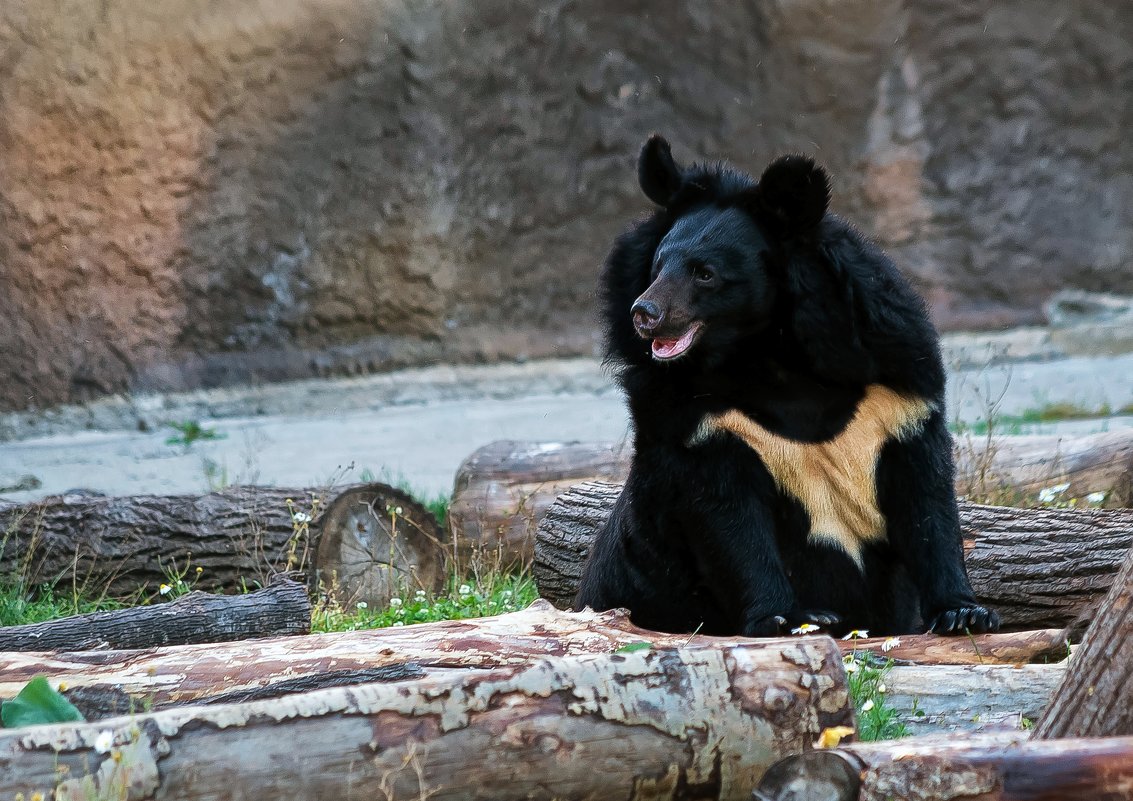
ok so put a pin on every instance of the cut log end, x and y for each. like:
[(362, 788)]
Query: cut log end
[(376, 543)]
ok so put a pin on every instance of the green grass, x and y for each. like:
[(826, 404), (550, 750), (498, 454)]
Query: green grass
[(19, 605), (461, 599), (876, 719)]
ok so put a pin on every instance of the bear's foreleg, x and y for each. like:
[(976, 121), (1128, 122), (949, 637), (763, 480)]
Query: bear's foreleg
[(917, 498)]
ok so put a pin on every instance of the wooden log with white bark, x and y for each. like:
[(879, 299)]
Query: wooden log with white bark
[(503, 489), (926, 698), (283, 608), (679, 723), (239, 537), (1039, 568), (990, 768)]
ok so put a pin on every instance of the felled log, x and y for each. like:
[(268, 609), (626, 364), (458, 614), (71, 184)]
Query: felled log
[(1005, 648), (1040, 568), (239, 537), (282, 608), (992, 768), (682, 723), (502, 490), (926, 698), (970, 698), (1093, 699), (1019, 467)]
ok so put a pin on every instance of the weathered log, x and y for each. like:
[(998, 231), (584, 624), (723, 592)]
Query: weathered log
[(502, 490), (991, 768), (1093, 699), (282, 608), (1014, 468), (239, 537), (970, 698), (680, 723), (375, 542), (1006, 648), (1040, 568), (178, 675)]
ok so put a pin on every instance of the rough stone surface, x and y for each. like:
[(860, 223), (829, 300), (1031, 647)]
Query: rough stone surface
[(195, 194)]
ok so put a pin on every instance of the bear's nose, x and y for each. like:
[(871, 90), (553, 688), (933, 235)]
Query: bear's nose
[(646, 315)]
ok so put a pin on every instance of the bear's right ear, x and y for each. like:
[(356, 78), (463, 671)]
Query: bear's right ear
[(658, 174)]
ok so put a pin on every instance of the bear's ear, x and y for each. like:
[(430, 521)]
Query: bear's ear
[(658, 174), (795, 191)]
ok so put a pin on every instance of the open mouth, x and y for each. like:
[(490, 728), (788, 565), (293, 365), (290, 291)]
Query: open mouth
[(668, 349)]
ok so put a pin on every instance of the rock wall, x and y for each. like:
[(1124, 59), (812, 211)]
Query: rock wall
[(196, 193)]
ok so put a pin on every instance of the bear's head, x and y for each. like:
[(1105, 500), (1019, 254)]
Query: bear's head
[(717, 275)]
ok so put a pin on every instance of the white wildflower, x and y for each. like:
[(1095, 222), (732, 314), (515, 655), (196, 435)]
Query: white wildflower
[(890, 643), (851, 666), (301, 517), (464, 589), (505, 594), (881, 687), (395, 602), (399, 623), (857, 634), (1095, 497), (104, 741), (362, 605), (868, 705), (1048, 494), (419, 594), (805, 628), (165, 589)]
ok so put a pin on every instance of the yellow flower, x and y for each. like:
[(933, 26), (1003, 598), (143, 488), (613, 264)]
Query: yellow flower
[(165, 589), (832, 736)]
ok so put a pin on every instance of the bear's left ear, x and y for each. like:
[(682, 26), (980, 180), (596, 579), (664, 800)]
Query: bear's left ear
[(795, 191), (657, 173)]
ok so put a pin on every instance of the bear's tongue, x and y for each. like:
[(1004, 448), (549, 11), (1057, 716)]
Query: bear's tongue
[(668, 348)]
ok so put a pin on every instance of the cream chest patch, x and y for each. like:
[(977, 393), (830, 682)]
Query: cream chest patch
[(833, 480)]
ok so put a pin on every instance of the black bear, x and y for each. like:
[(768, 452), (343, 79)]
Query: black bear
[(791, 460)]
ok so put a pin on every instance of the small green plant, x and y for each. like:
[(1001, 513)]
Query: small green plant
[(190, 431), (179, 581), (37, 703), (877, 720)]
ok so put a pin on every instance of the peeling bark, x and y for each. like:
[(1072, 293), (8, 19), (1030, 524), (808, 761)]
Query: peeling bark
[(281, 608), (681, 723), (1039, 568), (992, 768)]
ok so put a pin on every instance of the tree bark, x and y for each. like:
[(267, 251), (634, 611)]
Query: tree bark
[(503, 490), (1007, 648), (682, 723), (1094, 699), (1039, 568), (992, 768), (376, 542), (240, 537), (282, 608)]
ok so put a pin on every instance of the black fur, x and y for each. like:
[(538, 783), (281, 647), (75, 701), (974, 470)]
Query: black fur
[(799, 313)]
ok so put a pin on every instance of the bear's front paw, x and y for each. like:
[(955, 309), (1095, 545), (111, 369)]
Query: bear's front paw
[(800, 621), (971, 619)]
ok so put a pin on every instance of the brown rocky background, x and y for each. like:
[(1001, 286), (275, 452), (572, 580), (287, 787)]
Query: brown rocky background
[(194, 193)]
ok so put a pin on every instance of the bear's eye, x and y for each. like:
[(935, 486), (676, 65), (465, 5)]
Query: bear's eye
[(703, 274)]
